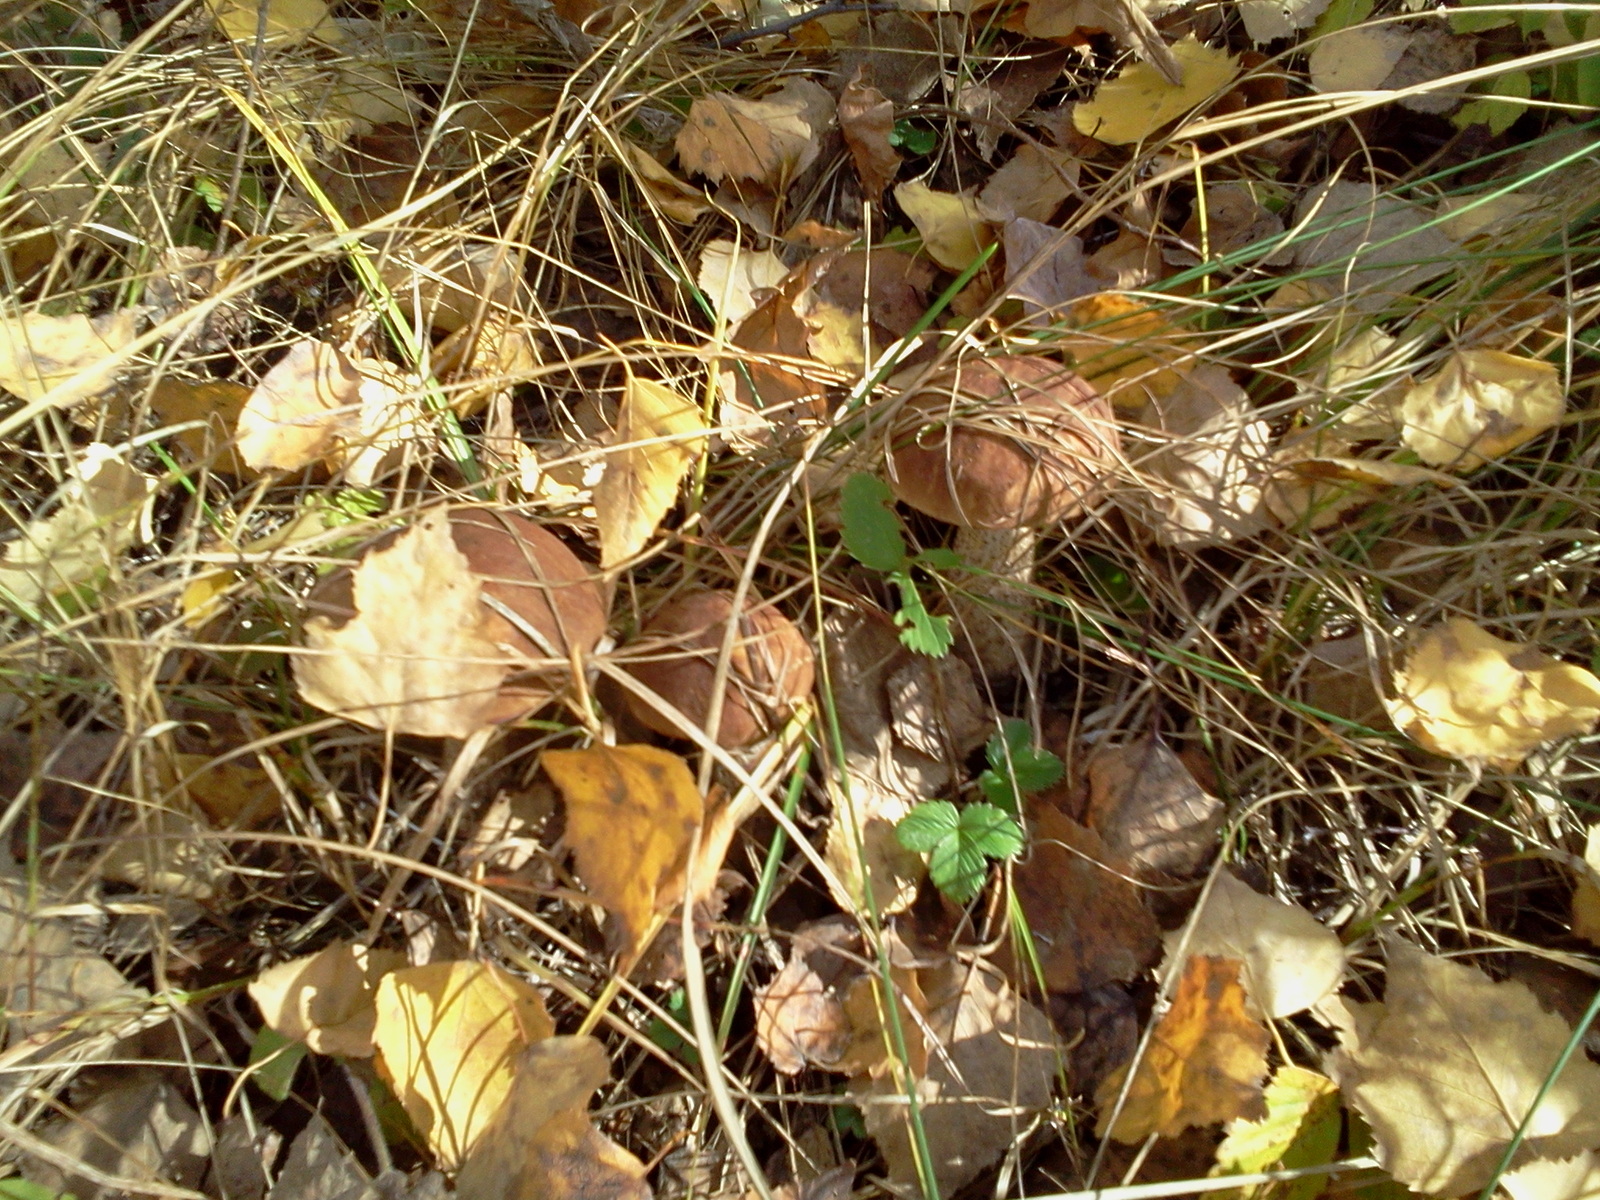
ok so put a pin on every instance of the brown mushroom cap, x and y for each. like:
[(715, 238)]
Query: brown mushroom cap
[(770, 670), (1011, 442), (532, 573)]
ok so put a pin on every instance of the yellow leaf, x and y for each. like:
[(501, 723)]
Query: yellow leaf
[(38, 352), (1125, 348), (327, 999), (953, 230), (542, 1145), (632, 812), (731, 275), (216, 403), (285, 21), (1480, 405), (415, 656), (1140, 101), (231, 794), (1586, 896), (659, 436), (1466, 694), (1204, 1064), (449, 1035), (770, 141), (1301, 1129)]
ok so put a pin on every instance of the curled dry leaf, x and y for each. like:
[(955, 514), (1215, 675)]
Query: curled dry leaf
[(769, 141), (1467, 694), (1148, 809), (39, 353), (1288, 959), (1315, 484), (866, 118), (801, 1020), (449, 1036), (541, 1145), (632, 813), (1205, 1062), (326, 999), (406, 641), (1479, 405), (1089, 921), (1447, 1067), (676, 199), (1141, 99), (954, 231), (100, 514), (659, 435)]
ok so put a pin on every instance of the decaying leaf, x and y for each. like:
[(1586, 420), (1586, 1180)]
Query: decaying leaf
[(449, 1036), (428, 669), (1269, 20), (1371, 245), (1467, 694), (677, 199), (1140, 100), (1089, 922), (954, 231), (101, 513), (659, 436), (632, 813), (866, 118), (319, 404), (1446, 1068), (767, 141), (542, 1145), (1480, 405), (1148, 809), (1288, 959), (1301, 1129), (39, 352), (326, 999), (1032, 184), (801, 1019), (1045, 268), (1316, 481), (1205, 1062)]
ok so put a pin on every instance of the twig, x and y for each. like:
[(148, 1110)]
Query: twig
[(831, 8)]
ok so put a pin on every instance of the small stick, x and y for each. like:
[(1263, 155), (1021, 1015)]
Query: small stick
[(831, 8)]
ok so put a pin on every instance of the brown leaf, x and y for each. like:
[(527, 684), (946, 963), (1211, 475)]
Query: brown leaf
[(541, 1145), (1089, 922), (1045, 267), (632, 813), (678, 200), (449, 1036), (1147, 806), (1205, 1062), (1032, 184), (800, 1015), (1446, 1068), (768, 141), (866, 118)]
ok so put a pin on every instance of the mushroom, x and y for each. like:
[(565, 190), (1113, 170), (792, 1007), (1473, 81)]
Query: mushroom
[(1001, 448), (770, 668)]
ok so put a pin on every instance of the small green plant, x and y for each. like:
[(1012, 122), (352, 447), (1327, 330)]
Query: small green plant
[(872, 536), (961, 842)]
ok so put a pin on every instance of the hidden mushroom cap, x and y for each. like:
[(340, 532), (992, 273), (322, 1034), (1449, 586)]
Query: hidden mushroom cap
[(770, 669), (530, 572), (1012, 442)]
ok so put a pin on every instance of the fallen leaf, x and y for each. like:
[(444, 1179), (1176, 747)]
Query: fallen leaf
[(1447, 1067), (1088, 918), (1032, 184), (1129, 351), (800, 1014), (989, 1069), (1288, 959), (449, 1036), (731, 275), (1146, 806), (1586, 895), (216, 404), (1576, 1178), (659, 435), (426, 669), (100, 513), (899, 53), (1370, 245), (1140, 100), (1314, 485), (769, 141), (1269, 20), (167, 850), (1205, 1062), (39, 353), (541, 1145), (866, 119), (1234, 220), (1045, 268), (1467, 694), (632, 814), (1479, 405), (284, 22), (450, 287), (1301, 1129), (328, 999), (954, 232), (1357, 59), (1431, 54), (232, 795)]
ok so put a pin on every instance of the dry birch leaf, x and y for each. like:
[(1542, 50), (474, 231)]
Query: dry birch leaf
[(767, 141), (327, 999), (1139, 101), (39, 353), (954, 231), (1479, 405), (866, 118), (659, 436)]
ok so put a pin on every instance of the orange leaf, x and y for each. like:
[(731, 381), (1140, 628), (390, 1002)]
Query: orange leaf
[(1205, 1063)]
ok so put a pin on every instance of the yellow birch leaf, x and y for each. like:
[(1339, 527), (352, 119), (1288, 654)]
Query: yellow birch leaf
[(1140, 101), (632, 812), (1301, 1129), (285, 21), (449, 1036), (659, 436), (38, 352), (1480, 405), (953, 230), (327, 999), (1467, 694)]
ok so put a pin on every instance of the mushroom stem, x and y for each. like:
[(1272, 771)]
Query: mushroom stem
[(992, 612)]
